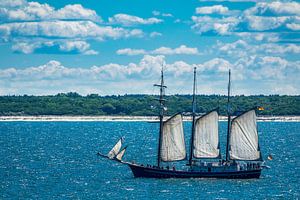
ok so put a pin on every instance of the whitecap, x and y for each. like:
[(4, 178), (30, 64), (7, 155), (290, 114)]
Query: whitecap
[(129, 189)]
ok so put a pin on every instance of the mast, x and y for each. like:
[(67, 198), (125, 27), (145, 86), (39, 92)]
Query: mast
[(194, 116), (229, 117), (161, 113)]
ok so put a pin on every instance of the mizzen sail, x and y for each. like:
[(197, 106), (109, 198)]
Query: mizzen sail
[(172, 141), (206, 139), (115, 150), (244, 137)]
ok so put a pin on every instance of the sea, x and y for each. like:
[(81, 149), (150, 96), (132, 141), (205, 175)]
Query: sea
[(57, 160)]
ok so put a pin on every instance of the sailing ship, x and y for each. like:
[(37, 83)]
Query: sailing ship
[(243, 156)]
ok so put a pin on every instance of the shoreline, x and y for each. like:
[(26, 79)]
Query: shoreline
[(129, 118)]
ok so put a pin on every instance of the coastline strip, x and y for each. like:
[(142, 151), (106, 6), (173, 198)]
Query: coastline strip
[(130, 118)]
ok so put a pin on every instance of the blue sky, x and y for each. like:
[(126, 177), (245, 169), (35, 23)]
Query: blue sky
[(118, 47)]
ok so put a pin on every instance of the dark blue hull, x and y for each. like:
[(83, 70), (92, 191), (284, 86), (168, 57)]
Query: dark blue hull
[(149, 172)]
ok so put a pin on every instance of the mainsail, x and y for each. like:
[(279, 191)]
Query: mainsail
[(206, 139), (115, 150), (172, 141), (244, 138)]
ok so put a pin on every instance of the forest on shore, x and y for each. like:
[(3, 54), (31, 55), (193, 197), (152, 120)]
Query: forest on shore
[(142, 105)]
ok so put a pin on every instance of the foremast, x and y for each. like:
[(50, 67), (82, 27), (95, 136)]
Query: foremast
[(161, 113), (193, 121), (228, 116)]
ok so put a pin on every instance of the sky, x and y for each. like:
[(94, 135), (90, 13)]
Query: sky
[(118, 47)]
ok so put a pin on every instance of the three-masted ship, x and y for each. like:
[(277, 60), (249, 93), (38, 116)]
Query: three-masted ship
[(243, 157)]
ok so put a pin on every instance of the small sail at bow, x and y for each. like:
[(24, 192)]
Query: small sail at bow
[(115, 150), (121, 154), (244, 138), (206, 139), (172, 141)]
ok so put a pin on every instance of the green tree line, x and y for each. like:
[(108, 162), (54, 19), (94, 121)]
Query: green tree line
[(142, 105)]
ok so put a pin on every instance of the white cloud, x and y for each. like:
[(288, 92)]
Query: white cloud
[(222, 26), (75, 46), (265, 23), (53, 77), (37, 11), (155, 34), (275, 8), (293, 26), (241, 48), (181, 50), (10, 3), (219, 9), (269, 68), (65, 29), (131, 52), (157, 13), (32, 25), (264, 16), (130, 20), (260, 36), (269, 16), (166, 15)]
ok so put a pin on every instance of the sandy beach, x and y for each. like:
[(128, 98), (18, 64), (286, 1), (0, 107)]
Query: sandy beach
[(129, 118)]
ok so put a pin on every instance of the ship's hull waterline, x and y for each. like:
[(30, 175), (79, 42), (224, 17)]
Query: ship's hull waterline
[(150, 172)]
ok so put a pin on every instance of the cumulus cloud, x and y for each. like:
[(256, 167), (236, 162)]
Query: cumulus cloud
[(274, 8), (263, 16), (216, 9), (9, 3), (222, 26), (32, 25), (160, 51), (259, 23), (64, 46), (269, 16), (36, 11), (130, 20), (53, 77), (293, 26), (269, 67), (259, 36), (155, 34), (179, 50), (65, 29), (241, 48), (131, 52)]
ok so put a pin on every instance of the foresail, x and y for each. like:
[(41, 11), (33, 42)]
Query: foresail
[(115, 150), (244, 138), (121, 154), (172, 141), (206, 138)]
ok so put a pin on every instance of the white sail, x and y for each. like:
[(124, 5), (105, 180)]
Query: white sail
[(121, 154), (115, 150), (206, 139), (244, 138), (172, 141)]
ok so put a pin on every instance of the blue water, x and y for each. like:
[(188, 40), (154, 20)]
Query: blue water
[(57, 160)]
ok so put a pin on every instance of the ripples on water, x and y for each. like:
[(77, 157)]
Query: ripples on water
[(57, 160)]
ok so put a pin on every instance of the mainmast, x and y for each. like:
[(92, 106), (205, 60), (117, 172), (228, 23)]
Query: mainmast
[(229, 117), (193, 121), (161, 113)]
